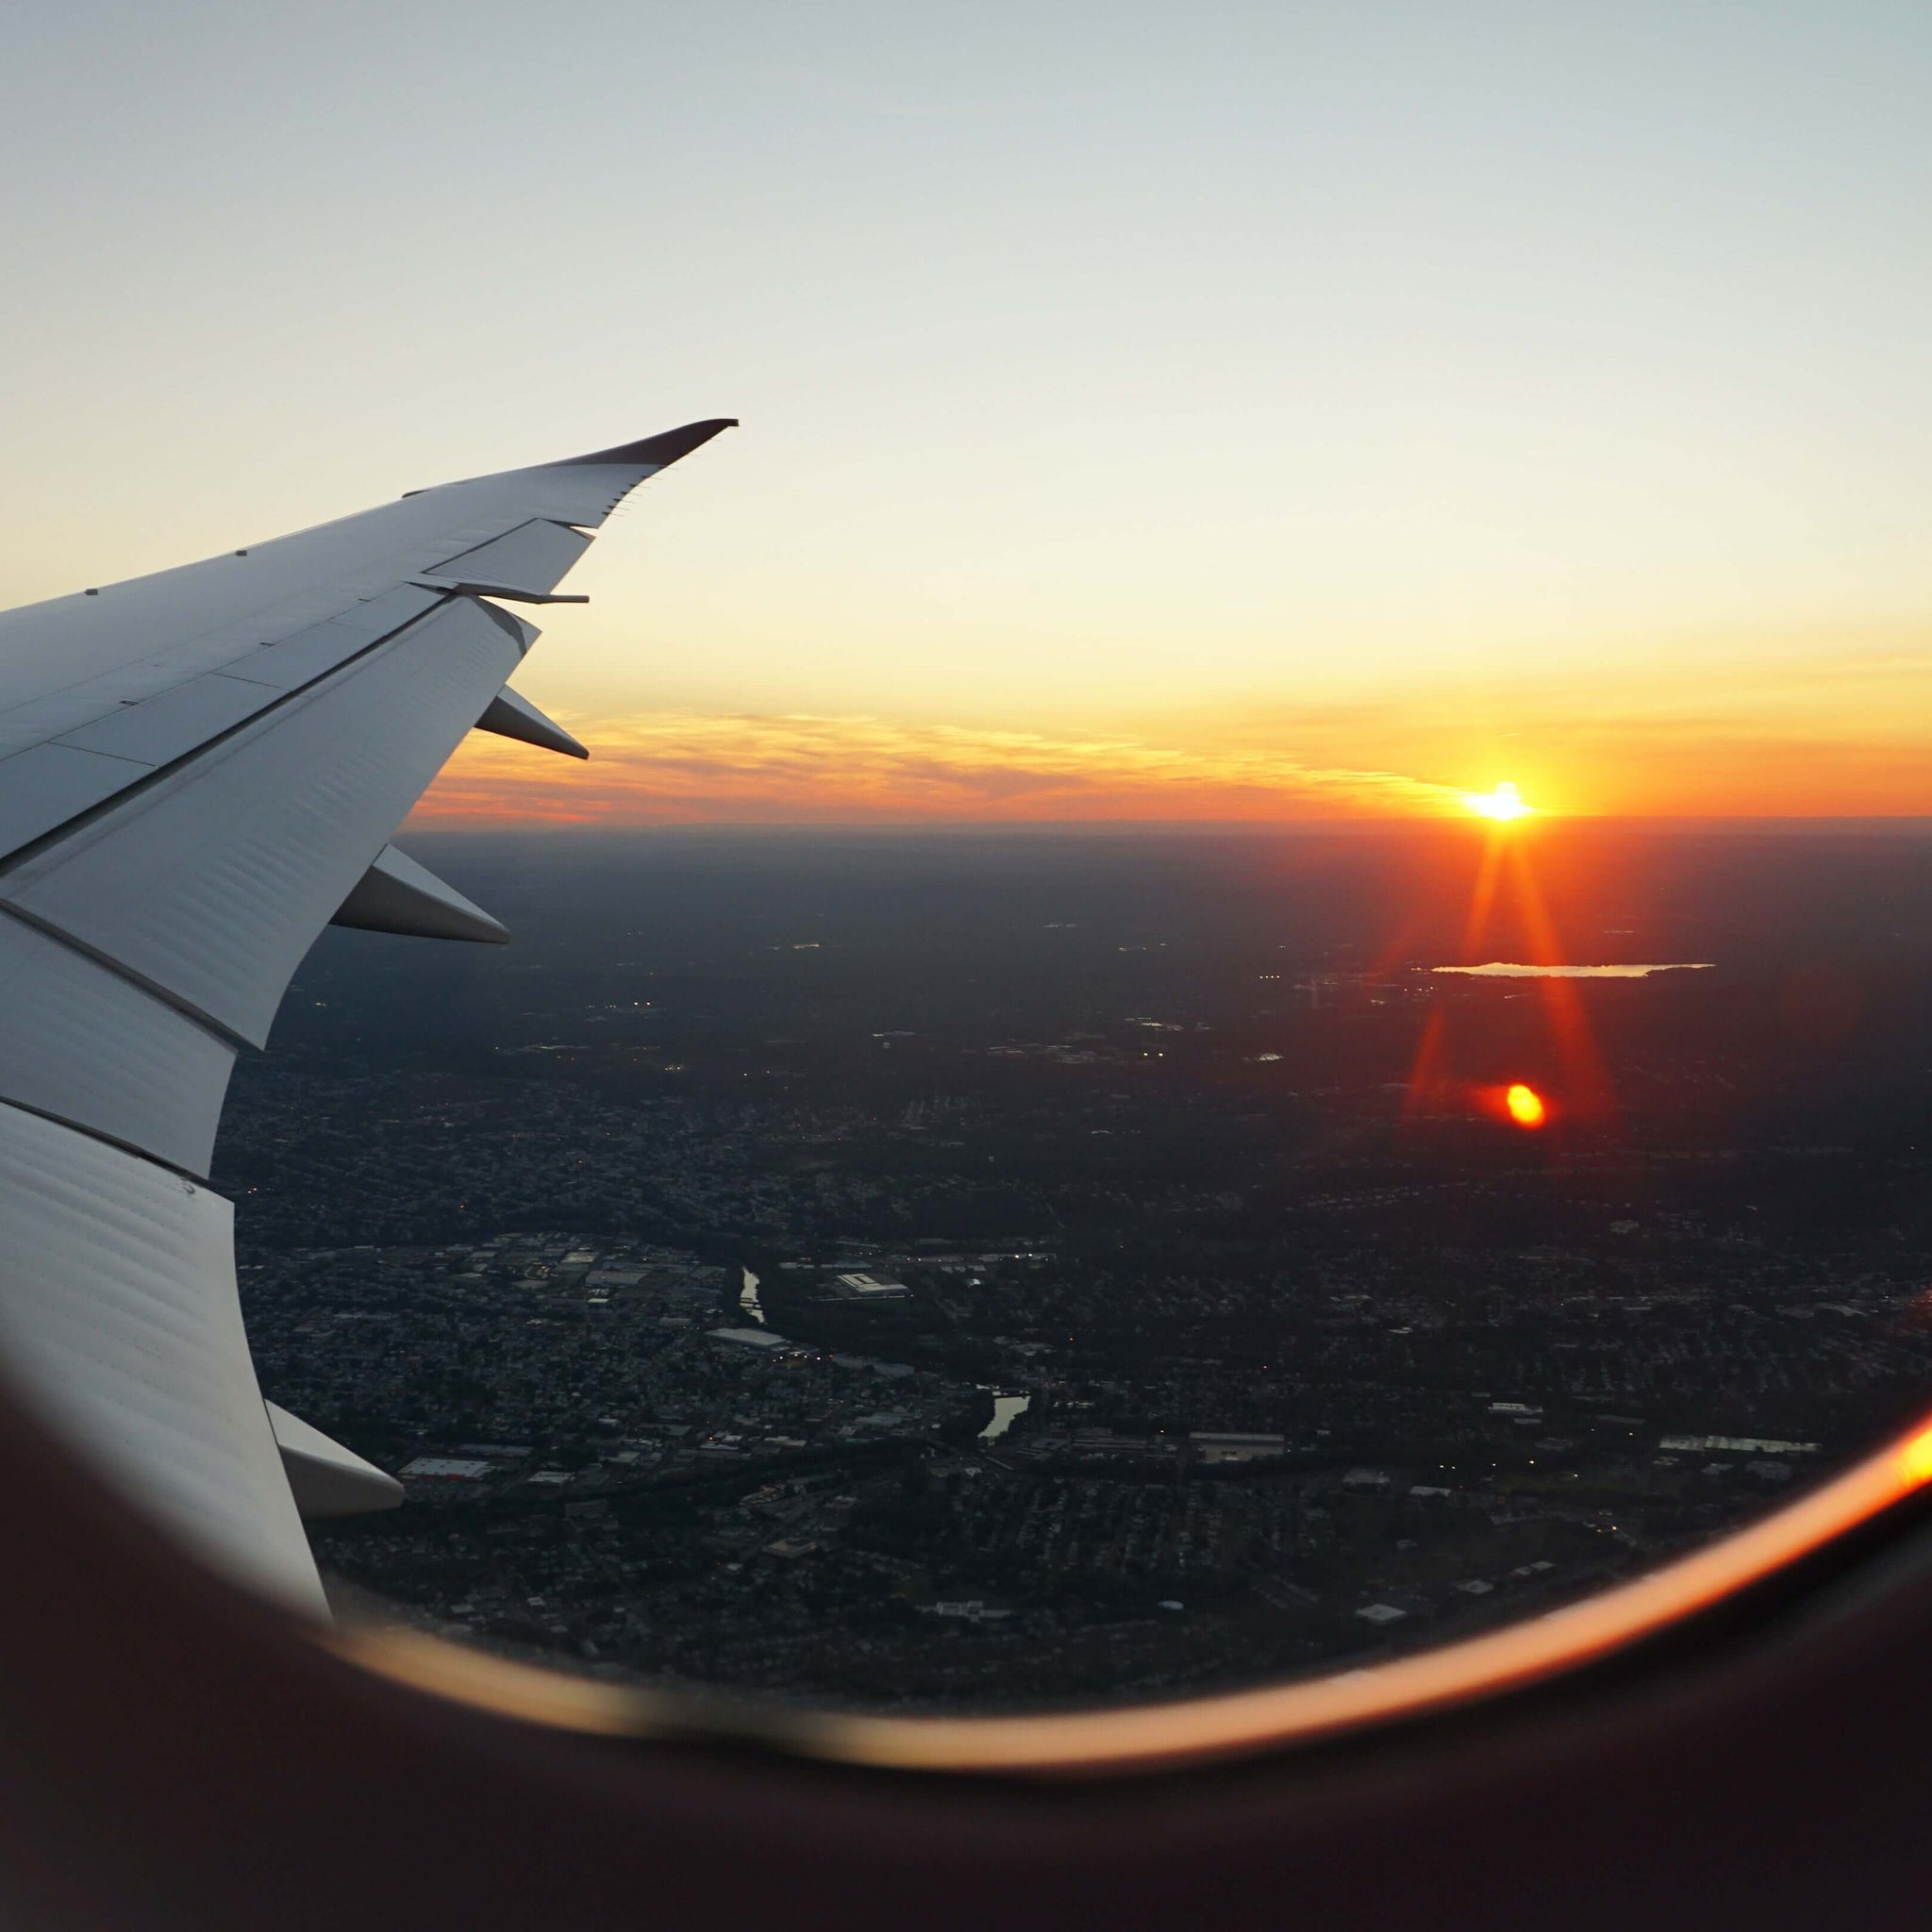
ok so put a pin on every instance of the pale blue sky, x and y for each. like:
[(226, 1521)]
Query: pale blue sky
[(1093, 359)]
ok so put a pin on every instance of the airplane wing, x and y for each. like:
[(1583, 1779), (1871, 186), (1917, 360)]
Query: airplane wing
[(199, 771)]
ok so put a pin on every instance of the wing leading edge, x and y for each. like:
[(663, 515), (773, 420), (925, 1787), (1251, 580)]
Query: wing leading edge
[(198, 772)]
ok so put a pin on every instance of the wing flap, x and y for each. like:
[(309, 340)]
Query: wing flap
[(235, 651), (87, 1047), (532, 557), (212, 882), (119, 1319)]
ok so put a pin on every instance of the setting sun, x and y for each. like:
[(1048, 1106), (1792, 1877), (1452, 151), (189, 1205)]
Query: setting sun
[(1504, 803), (1525, 1105)]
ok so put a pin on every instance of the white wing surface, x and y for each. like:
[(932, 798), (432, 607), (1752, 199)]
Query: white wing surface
[(198, 772)]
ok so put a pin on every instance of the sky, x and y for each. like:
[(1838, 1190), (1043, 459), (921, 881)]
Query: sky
[(1230, 412)]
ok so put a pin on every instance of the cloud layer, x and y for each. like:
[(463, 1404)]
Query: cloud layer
[(677, 767)]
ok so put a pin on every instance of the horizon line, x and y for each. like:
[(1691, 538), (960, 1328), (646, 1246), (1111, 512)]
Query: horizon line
[(1901, 822)]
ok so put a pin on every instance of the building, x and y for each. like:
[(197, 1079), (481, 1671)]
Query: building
[(1221, 1446), (749, 1337), (870, 1288), (450, 1469)]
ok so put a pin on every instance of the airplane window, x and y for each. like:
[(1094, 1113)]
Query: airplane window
[(1241, 993), (979, 1272)]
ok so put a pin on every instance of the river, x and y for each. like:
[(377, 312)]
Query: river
[(1004, 1409)]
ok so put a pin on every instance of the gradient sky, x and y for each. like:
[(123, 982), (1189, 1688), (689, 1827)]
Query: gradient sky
[(1230, 411)]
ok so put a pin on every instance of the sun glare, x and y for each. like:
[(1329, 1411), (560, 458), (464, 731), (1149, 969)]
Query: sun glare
[(1525, 1105), (1502, 803)]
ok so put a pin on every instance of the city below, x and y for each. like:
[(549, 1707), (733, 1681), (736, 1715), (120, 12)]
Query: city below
[(987, 1274)]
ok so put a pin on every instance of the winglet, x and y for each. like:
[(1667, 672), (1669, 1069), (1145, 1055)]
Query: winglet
[(657, 450)]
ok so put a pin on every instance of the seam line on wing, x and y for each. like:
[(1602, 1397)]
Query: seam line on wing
[(113, 1140), (20, 854), (127, 975)]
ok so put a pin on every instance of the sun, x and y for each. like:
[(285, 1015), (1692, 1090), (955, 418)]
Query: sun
[(1503, 804)]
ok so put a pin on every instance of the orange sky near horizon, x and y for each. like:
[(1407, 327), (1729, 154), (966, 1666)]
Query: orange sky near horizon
[(1789, 728), (1682, 758), (1045, 712)]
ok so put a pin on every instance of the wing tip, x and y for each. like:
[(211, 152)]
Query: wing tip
[(659, 450)]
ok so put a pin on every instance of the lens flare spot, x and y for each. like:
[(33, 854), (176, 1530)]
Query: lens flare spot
[(1503, 804), (1915, 1457), (1525, 1105)]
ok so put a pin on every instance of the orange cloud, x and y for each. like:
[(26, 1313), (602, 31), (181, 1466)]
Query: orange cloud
[(672, 767), (1788, 729)]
